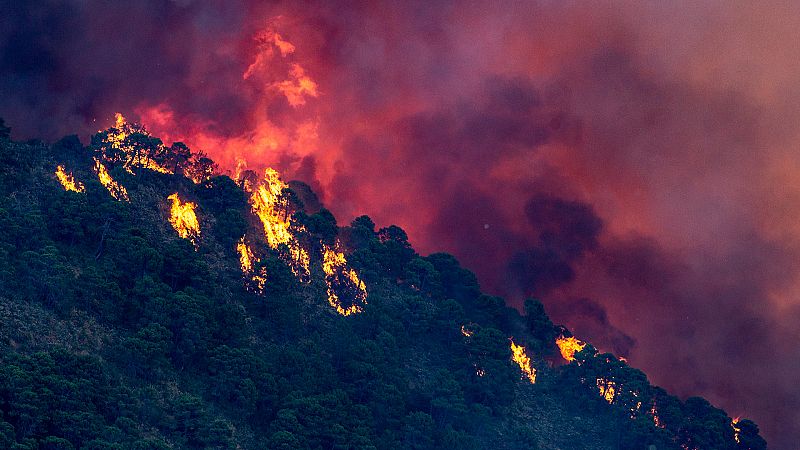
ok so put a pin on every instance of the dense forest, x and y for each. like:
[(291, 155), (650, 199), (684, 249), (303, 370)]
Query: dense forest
[(148, 302)]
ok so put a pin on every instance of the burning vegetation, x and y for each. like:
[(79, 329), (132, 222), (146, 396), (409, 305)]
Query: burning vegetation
[(115, 189), (342, 281), (256, 279), (520, 357), (68, 181), (269, 202), (183, 219), (568, 346)]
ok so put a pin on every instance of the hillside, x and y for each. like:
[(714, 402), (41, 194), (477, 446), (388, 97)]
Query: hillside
[(147, 302)]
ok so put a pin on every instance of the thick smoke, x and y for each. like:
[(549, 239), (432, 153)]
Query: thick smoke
[(633, 166)]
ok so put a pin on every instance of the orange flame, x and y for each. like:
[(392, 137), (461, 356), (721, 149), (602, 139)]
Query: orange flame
[(656, 420), (268, 203), (736, 430), (568, 346), (607, 389), (334, 264), (115, 189), (465, 332), (68, 181), (259, 280), (523, 361), (132, 157), (183, 219)]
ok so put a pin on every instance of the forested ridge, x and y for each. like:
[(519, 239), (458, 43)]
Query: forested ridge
[(118, 332)]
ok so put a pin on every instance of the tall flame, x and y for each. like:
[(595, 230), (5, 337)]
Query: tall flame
[(523, 361), (268, 203), (115, 189), (183, 219), (334, 264), (568, 346), (68, 181), (246, 259)]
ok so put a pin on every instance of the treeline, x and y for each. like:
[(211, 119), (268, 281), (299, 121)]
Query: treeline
[(117, 334)]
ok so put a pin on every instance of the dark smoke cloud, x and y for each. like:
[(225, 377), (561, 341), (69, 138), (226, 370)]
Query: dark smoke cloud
[(634, 165)]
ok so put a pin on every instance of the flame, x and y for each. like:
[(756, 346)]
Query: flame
[(131, 157), (656, 420), (568, 346), (258, 280), (183, 219), (272, 209), (334, 264), (736, 430), (68, 181), (465, 332), (607, 389), (115, 189), (523, 360)]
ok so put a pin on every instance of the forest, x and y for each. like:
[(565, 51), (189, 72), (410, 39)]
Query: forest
[(148, 301)]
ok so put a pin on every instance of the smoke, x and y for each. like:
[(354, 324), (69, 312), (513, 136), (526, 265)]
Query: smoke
[(633, 165)]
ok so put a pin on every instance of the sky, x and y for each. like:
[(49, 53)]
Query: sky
[(635, 165)]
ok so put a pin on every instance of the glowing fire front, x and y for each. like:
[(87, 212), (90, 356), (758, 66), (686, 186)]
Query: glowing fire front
[(270, 205), (257, 279), (608, 389), (520, 357), (115, 189), (68, 181), (342, 279), (183, 219), (736, 430), (568, 346), (119, 145)]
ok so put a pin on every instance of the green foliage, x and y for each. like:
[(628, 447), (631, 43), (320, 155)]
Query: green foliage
[(128, 337)]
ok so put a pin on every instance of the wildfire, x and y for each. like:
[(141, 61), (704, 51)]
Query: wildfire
[(68, 181), (183, 219), (568, 346), (607, 389), (259, 280), (129, 153), (523, 360), (736, 429), (268, 203), (337, 273), (656, 420), (115, 189), (465, 332)]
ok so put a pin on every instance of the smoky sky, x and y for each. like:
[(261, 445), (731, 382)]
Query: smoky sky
[(634, 165)]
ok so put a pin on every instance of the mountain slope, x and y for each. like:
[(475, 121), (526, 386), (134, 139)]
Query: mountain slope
[(147, 303)]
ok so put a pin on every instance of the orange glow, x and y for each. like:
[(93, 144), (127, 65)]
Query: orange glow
[(523, 361), (298, 87), (68, 181), (736, 429), (115, 189), (465, 332), (334, 264), (183, 219), (130, 155), (272, 208), (246, 259), (656, 420), (607, 389), (568, 346)]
